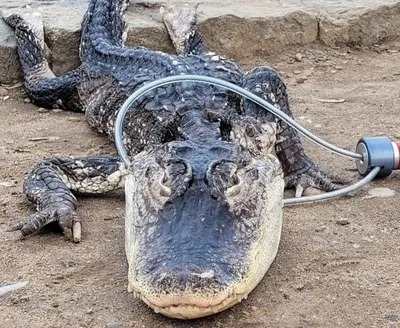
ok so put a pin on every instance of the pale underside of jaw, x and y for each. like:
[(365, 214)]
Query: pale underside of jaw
[(191, 311)]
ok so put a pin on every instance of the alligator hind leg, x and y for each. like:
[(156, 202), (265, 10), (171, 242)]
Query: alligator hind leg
[(50, 184), (41, 84), (182, 29), (300, 171), (103, 21)]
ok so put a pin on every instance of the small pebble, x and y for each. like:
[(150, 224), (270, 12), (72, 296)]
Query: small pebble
[(301, 80), (90, 311), (113, 325), (57, 110), (7, 184), (320, 229), (6, 97), (297, 72), (380, 192), (27, 100), (299, 287), (55, 304), (393, 318), (42, 110), (298, 57), (342, 221), (3, 92)]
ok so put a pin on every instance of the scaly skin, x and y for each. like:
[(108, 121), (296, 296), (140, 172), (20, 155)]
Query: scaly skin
[(204, 193)]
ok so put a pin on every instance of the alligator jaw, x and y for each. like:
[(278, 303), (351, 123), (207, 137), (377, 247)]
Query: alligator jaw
[(190, 311)]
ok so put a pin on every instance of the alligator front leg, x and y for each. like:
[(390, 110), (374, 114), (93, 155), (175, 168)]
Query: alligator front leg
[(50, 184), (300, 171)]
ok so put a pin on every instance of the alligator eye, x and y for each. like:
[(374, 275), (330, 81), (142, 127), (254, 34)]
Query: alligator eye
[(176, 178), (165, 191), (234, 190), (223, 177)]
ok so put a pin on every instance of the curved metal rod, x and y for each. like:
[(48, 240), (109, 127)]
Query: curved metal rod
[(230, 86), (333, 194)]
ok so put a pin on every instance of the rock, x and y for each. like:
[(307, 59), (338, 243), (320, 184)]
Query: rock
[(90, 311), (9, 288), (7, 184), (393, 319), (301, 80), (24, 298), (27, 100), (320, 229), (42, 110), (380, 192), (3, 92), (113, 325), (55, 304), (299, 287), (10, 67), (298, 57), (342, 221), (297, 72)]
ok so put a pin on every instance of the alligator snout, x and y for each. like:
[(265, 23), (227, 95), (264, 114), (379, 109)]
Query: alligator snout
[(188, 293)]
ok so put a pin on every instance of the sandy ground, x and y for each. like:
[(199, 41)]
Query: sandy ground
[(325, 274)]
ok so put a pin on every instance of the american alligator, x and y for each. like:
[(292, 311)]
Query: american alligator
[(205, 189)]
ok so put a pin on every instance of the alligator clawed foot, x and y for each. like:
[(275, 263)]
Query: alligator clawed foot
[(313, 182), (179, 20), (33, 20), (180, 23), (66, 218)]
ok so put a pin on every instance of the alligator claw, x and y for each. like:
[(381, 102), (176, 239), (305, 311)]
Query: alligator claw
[(313, 182), (299, 191), (66, 218)]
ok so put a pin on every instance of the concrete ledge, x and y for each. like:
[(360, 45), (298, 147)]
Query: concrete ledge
[(9, 68), (237, 30), (367, 28)]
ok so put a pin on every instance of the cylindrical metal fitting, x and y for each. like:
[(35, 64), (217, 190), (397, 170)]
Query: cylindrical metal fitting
[(396, 151), (378, 151)]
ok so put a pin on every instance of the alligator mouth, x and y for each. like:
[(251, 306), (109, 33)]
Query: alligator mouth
[(183, 311)]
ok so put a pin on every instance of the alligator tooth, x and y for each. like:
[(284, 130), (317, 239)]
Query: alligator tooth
[(240, 297)]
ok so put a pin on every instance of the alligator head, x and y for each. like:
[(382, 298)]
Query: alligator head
[(203, 222)]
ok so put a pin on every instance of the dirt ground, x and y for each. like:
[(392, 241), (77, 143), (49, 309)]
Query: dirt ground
[(325, 274)]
